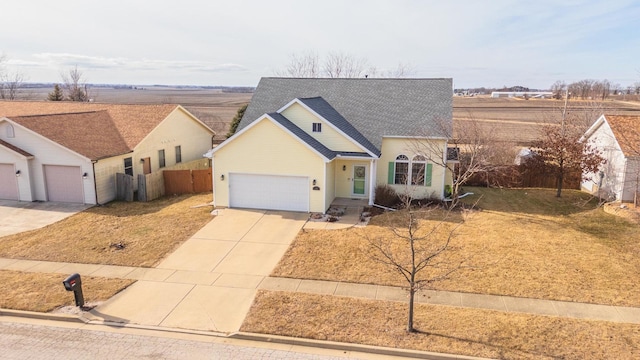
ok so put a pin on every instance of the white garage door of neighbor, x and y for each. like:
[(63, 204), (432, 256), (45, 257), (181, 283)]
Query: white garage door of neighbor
[(271, 192), (64, 183), (8, 182)]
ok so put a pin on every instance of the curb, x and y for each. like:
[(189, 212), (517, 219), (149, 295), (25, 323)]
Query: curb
[(41, 316), (312, 343), (333, 345)]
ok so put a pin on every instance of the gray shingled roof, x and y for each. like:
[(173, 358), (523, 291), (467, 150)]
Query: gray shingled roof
[(374, 107)]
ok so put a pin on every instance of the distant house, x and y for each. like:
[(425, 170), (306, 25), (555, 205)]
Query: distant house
[(304, 142), (70, 152), (618, 138)]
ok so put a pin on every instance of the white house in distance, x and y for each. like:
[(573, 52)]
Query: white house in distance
[(70, 152), (618, 138), (304, 142)]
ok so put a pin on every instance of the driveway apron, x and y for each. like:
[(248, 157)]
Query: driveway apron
[(211, 280)]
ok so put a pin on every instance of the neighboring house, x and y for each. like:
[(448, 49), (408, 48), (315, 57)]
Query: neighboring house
[(70, 152), (618, 138), (304, 142)]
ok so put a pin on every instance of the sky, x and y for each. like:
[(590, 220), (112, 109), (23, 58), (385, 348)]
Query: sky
[(490, 43)]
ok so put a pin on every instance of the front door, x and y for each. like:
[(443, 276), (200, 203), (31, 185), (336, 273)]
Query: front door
[(359, 179)]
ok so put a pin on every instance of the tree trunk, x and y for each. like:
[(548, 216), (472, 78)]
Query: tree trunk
[(560, 179), (412, 292)]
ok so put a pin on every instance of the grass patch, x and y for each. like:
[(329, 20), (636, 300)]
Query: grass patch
[(472, 332), (118, 233), (43, 292), (524, 243)]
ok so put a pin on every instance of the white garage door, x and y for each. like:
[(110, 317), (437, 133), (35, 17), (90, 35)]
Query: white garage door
[(8, 182), (64, 183), (270, 192)]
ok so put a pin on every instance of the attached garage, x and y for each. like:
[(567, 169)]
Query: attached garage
[(273, 192), (8, 182), (64, 183)]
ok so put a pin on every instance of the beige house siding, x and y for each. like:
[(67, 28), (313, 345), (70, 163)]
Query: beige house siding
[(329, 137), (330, 183), (392, 147), (178, 129), (267, 149)]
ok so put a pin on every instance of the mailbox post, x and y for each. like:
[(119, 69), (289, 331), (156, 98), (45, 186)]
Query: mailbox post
[(74, 283)]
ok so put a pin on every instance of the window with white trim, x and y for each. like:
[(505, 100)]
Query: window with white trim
[(418, 166), (401, 170), (178, 154), (128, 166), (317, 127)]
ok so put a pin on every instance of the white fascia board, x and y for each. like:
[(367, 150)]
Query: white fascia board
[(261, 118), (592, 129), (331, 125)]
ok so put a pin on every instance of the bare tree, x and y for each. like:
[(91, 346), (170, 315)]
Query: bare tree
[(337, 65), (11, 83), (558, 89), (341, 65), (472, 149), (418, 246), (75, 85)]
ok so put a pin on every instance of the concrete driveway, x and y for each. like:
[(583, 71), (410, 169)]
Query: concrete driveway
[(210, 281), (19, 216)]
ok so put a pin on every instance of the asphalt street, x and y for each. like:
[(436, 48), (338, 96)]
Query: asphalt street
[(26, 341)]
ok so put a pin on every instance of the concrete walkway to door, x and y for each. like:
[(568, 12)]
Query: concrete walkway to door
[(210, 281)]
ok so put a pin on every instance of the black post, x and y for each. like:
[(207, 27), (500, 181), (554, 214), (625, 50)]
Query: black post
[(74, 283)]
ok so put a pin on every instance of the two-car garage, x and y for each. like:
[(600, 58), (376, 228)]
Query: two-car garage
[(273, 192)]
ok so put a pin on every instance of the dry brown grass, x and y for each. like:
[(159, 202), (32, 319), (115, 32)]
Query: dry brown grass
[(472, 332), (44, 292), (149, 231), (524, 243)]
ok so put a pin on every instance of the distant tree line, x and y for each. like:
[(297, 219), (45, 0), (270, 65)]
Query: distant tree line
[(592, 89)]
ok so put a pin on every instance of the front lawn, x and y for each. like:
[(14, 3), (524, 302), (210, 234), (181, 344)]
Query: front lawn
[(43, 292), (445, 329), (118, 233), (524, 243)]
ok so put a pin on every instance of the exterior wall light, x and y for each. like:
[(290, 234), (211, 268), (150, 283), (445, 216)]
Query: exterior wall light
[(222, 177), (344, 167), (85, 175), (18, 173), (314, 181)]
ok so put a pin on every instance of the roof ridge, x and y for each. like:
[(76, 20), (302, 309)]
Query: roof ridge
[(59, 114)]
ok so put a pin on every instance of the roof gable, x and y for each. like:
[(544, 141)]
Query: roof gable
[(90, 134), (133, 122), (374, 107)]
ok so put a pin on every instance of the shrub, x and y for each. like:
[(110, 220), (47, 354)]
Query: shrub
[(386, 196)]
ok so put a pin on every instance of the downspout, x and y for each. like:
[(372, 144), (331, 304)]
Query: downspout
[(373, 180), (444, 172), (95, 186)]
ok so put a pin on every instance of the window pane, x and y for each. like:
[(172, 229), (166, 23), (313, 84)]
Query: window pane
[(178, 154), (161, 161), (128, 166), (417, 174), (402, 173)]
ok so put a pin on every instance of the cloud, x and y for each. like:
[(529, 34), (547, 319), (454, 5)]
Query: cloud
[(126, 64)]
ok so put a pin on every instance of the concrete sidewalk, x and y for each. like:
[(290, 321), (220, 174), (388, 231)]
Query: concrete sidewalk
[(136, 312)]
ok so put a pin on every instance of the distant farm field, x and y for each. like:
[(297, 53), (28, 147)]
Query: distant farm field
[(212, 106), (518, 120), (509, 119)]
